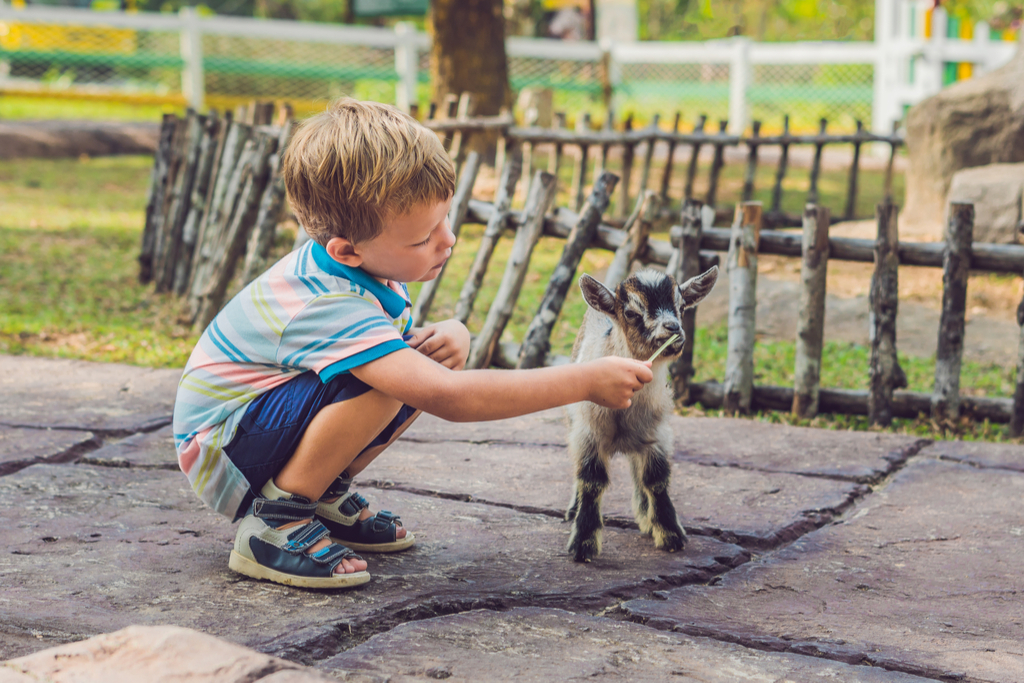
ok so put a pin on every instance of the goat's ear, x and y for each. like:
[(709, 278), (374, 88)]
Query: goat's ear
[(695, 289), (597, 295)]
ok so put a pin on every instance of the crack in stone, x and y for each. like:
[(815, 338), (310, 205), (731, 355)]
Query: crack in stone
[(100, 431), (972, 463), (67, 455)]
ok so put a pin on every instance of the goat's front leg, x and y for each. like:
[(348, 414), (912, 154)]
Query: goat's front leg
[(654, 470), (585, 509)]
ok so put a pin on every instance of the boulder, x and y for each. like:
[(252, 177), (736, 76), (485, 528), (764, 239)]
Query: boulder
[(975, 122), (155, 654), (997, 192)]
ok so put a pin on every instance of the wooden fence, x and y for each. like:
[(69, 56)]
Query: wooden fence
[(215, 196), (637, 151)]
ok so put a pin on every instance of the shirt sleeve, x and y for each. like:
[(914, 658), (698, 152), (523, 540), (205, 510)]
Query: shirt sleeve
[(337, 332)]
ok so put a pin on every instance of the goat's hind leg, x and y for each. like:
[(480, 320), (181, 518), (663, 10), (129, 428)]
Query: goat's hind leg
[(655, 472), (591, 481), (642, 506)]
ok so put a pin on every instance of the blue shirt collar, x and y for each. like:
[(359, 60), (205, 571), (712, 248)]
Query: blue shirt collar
[(393, 302)]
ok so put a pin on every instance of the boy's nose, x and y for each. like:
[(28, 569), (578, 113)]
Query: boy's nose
[(448, 240)]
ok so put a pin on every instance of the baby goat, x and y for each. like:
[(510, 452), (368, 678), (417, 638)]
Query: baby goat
[(632, 322)]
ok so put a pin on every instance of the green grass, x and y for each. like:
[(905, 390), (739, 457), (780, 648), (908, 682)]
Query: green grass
[(18, 107), (69, 241)]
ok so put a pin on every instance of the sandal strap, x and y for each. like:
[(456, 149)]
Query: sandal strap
[(339, 486), (383, 520), (283, 509), (305, 537), (352, 504), (333, 554)]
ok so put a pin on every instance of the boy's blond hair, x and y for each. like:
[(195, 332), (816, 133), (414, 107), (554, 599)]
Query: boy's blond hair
[(350, 168)]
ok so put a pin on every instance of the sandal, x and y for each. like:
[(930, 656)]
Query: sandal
[(377, 533), (262, 551)]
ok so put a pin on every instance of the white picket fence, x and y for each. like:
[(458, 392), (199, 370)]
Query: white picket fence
[(283, 59)]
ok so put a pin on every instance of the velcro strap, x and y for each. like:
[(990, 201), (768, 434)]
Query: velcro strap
[(384, 519), (338, 487), (353, 504), (305, 537), (333, 555), (283, 509)]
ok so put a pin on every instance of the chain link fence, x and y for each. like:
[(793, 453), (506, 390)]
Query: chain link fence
[(178, 60)]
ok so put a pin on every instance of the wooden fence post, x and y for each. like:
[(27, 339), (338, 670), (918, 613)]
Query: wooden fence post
[(495, 224), (691, 169), (579, 169), (628, 152), (537, 341), (742, 265), (851, 184), (688, 266), (956, 265), (812, 193), (717, 161), (179, 199), (268, 216), (666, 176), (637, 229), (885, 370), (538, 199), (811, 324), (212, 137), (750, 176), (780, 172), (456, 216), (155, 196), (645, 172), (1017, 413)]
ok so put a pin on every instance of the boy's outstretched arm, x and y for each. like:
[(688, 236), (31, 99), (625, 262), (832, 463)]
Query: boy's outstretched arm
[(475, 395)]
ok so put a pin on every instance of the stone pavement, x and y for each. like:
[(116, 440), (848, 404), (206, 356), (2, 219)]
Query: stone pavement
[(814, 554)]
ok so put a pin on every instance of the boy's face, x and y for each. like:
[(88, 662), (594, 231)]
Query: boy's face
[(412, 247)]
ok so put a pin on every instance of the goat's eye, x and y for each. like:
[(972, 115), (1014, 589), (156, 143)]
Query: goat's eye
[(632, 316)]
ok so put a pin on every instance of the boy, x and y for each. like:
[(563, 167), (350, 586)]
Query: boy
[(311, 371)]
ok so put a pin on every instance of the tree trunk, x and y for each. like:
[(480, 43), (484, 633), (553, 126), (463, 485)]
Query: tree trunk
[(467, 54)]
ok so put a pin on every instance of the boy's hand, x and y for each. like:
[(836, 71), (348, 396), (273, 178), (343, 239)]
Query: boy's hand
[(616, 379), (446, 342)]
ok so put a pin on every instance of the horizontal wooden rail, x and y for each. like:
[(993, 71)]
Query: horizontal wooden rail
[(992, 258), (909, 404)]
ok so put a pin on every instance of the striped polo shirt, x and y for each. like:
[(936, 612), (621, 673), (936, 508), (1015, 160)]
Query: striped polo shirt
[(308, 312)]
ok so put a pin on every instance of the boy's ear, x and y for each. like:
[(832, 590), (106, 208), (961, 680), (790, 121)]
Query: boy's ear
[(597, 295), (344, 252)]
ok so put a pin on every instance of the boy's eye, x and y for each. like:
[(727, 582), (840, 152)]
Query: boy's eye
[(420, 244)]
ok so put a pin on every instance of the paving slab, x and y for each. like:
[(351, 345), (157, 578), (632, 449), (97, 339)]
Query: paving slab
[(864, 457), (74, 394), (536, 644), (21, 447), (756, 509), (980, 454), (92, 549), (145, 449), (924, 578)]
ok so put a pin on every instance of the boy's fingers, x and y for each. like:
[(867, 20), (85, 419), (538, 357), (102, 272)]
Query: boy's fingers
[(417, 339)]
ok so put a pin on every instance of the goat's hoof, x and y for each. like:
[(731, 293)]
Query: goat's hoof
[(584, 551), (671, 542)]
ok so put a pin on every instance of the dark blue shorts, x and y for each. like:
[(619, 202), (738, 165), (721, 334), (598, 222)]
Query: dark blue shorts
[(274, 423)]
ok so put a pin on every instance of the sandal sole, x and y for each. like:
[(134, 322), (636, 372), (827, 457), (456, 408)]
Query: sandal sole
[(243, 565), (393, 547)]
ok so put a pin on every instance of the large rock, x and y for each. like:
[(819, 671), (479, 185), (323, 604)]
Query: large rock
[(975, 122), (997, 192), (157, 654), (58, 139)]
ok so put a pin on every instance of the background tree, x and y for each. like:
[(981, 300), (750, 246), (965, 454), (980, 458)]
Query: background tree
[(467, 53)]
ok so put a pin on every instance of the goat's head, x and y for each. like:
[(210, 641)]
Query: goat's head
[(648, 307)]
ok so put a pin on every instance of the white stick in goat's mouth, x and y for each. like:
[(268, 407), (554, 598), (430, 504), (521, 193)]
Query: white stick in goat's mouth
[(663, 347)]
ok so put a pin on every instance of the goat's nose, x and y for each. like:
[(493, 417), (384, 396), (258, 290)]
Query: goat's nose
[(673, 327)]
